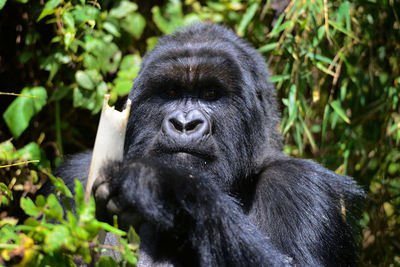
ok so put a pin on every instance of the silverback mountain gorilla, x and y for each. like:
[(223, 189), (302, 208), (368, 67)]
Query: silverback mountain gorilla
[(204, 180)]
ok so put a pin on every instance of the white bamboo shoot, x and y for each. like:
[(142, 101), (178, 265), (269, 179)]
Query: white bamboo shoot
[(109, 142)]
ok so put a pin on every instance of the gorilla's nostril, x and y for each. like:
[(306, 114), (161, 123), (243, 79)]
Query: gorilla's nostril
[(183, 126), (191, 126), (177, 125)]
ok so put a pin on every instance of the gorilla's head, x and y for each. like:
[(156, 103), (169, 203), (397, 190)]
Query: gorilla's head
[(203, 101)]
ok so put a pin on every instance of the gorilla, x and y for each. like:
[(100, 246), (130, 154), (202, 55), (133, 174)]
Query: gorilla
[(204, 180)]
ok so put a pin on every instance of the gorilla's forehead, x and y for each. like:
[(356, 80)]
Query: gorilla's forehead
[(194, 64)]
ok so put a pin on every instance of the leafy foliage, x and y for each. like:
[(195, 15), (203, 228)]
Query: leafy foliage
[(54, 236), (334, 63)]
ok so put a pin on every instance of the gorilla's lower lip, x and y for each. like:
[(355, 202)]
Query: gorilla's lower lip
[(195, 153), (190, 152), (183, 155)]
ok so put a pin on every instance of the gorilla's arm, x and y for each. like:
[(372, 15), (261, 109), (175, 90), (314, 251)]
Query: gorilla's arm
[(306, 208), (75, 167), (192, 217)]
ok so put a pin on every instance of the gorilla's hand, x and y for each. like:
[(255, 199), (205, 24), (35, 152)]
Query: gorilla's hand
[(186, 209), (132, 192), (145, 192)]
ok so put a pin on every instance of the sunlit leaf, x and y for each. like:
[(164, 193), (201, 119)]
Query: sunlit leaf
[(278, 78), (2, 3), (112, 28), (134, 24), (84, 80), (69, 21), (22, 109), (251, 11), (267, 47), (59, 236), (123, 9), (325, 122), (49, 8), (338, 109), (29, 207), (55, 209)]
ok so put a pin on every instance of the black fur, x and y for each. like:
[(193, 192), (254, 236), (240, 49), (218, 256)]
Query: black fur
[(226, 195)]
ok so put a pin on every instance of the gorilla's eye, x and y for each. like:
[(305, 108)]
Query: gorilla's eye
[(172, 93), (210, 94)]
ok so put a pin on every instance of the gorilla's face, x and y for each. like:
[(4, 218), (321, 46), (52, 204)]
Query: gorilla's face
[(194, 106)]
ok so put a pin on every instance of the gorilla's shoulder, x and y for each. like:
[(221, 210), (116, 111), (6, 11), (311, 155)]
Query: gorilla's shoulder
[(310, 178), (73, 167)]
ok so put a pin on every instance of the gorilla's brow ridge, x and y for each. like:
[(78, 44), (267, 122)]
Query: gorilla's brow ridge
[(192, 72)]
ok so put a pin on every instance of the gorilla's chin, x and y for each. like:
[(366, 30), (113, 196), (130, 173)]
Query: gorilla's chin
[(184, 159), (187, 157)]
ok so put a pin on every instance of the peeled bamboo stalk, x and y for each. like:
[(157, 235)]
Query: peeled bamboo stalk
[(109, 143)]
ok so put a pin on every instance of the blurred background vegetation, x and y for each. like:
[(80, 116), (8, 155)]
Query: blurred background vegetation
[(336, 66)]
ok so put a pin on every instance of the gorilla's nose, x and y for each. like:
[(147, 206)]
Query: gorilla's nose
[(190, 125)]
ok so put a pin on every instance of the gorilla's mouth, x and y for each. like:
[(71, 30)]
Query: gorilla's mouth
[(183, 152)]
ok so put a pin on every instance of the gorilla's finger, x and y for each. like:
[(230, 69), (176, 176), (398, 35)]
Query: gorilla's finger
[(101, 194)]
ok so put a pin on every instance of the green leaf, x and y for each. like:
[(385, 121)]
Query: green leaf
[(321, 58), (29, 207), (49, 8), (267, 47), (2, 3), (133, 237), (29, 152), (339, 111), (100, 91), (134, 24), (84, 98), (127, 253), (123, 9), (277, 24), (25, 56), (151, 42), (84, 80), (251, 11), (340, 28), (56, 238), (320, 66), (40, 201), (69, 37), (52, 4), (172, 17), (287, 25), (325, 122), (130, 66), (79, 200), (308, 133), (278, 78), (6, 195), (123, 87), (7, 151), (291, 119), (112, 28), (106, 261), (109, 228), (31, 221), (58, 184), (69, 21), (292, 98), (22, 109), (55, 209), (298, 138), (45, 13)]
